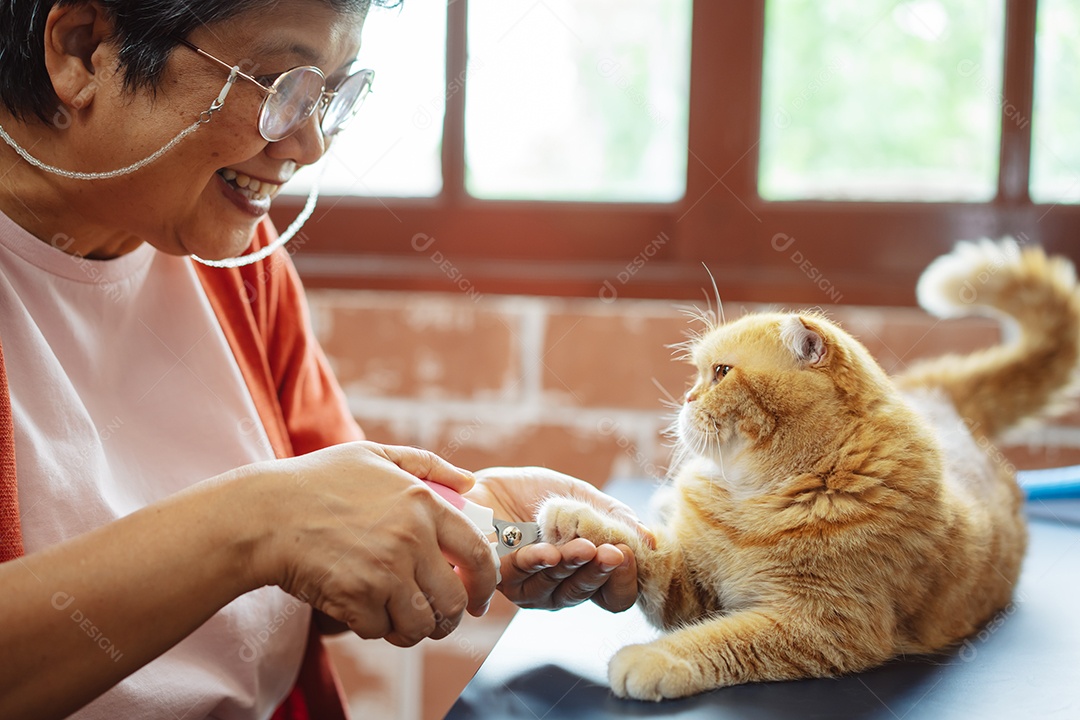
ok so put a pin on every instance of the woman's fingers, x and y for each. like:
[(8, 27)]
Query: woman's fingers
[(522, 489), (427, 466), (411, 616), (530, 575), (407, 597), (459, 542), (529, 560), (420, 564), (620, 591), (444, 593), (373, 622), (584, 583), (431, 607), (545, 576), (466, 548), (424, 596)]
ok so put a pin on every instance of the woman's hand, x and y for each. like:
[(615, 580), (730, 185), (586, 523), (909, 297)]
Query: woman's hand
[(546, 576), (353, 531)]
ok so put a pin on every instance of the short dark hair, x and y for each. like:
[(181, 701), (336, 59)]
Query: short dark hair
[(146, 32)]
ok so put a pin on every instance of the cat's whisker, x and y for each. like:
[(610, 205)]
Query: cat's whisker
[(671, 404), (671, 436), (720, 461), (708, 304), (683, 351), (705, 317), (669, 399), (705, 437), (712, 318), (719, 302), (681, 449), (712, 442)]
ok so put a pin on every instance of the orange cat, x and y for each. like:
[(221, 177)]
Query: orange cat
[(828, 517)]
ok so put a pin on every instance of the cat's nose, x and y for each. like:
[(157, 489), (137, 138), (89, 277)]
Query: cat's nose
[(691, 395)]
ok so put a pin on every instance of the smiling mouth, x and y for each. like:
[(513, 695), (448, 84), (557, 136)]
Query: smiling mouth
[(248, 186)]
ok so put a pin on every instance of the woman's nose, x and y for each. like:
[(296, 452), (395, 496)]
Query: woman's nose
[(304, 147)]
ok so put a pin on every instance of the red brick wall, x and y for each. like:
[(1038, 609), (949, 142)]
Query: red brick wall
[(576, 385), (573, 384)]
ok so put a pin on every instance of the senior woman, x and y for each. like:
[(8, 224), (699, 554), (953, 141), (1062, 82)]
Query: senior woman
[(184, 499)]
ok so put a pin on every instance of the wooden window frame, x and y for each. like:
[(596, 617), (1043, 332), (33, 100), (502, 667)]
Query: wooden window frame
[(819, 252)]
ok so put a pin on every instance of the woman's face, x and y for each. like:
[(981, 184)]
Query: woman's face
[(182, 203)]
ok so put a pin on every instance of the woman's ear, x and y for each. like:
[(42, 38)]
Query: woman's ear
[(73, 36)]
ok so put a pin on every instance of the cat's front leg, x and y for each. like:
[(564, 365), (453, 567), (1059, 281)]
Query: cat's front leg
[(562, 519), (664, 597), (748, 646), (686, 662)]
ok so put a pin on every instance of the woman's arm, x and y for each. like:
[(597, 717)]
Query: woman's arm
[(80, 616), (350, 529)]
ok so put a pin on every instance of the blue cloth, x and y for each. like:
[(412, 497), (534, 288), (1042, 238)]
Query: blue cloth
[(1051, 483)]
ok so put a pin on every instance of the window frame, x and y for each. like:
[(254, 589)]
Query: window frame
[(806, 252)]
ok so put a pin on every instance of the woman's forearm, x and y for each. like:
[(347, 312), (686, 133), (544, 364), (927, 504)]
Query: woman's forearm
[(80, 616), (351, 529)]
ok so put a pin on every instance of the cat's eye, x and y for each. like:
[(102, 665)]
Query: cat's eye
[(721, 371)]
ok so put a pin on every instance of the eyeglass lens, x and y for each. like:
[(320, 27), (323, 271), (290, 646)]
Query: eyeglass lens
[(296, 96), (346, 102)]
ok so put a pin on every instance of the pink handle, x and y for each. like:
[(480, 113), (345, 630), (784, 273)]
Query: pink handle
[(479, 516), (447, 494)]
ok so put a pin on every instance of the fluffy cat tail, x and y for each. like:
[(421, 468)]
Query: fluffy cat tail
[(1032, 376)]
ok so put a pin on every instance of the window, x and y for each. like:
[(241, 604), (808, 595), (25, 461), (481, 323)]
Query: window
[(564, 104), (394, 150), (931, 102), (1055, 152), (874, 99), (561, 105)]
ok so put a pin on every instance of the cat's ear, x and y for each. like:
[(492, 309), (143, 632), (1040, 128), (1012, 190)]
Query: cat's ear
[(805, 343)]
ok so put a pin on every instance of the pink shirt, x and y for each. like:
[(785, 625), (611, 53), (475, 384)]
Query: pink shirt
[(124, 391)]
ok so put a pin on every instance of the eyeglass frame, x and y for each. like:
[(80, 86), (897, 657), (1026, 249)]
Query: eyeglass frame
[(326, 97)]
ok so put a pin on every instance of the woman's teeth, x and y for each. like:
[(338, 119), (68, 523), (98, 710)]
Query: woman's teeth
[(249, 186)]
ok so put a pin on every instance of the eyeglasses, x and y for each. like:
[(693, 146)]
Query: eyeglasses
[(296, 94)]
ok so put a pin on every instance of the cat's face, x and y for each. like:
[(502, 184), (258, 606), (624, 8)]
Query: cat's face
[(767, 381)]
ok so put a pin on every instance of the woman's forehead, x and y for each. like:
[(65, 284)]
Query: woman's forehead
[(306, 32), (299, 52)]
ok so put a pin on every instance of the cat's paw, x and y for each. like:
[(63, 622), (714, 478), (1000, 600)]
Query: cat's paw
[(651, 672), (563, 519)]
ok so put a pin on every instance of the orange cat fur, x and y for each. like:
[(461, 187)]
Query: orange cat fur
[(829, 518)]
